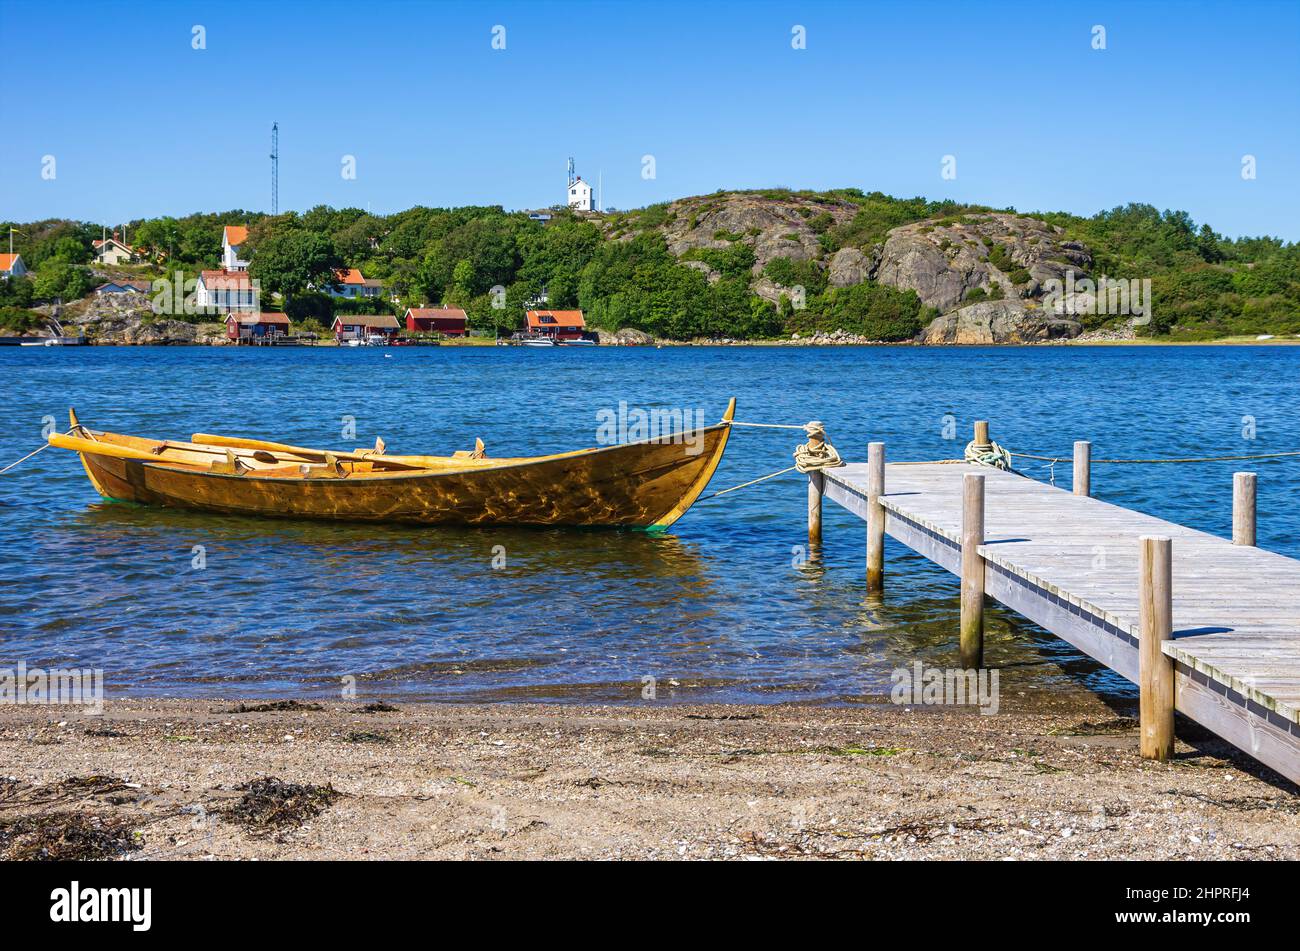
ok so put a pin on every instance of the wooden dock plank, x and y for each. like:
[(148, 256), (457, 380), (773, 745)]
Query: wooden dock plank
[(1070, 563)]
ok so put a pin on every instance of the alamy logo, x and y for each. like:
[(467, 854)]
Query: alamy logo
[(919, 685), (74, 904), (1105, 297), (54, 686), (685, 426)]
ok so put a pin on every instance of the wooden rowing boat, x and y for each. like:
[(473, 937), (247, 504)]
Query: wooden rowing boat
[(648, 484)]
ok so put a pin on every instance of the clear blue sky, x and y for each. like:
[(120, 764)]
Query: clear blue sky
[(141, 124)]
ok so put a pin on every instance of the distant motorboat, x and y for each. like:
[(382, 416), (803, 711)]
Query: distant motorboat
[(538, 342), (580, 342), (55, 342)]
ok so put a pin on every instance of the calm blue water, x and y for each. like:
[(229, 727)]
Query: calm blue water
[(714, 610)]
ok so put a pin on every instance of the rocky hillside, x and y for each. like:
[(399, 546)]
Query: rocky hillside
[(981, 274), (129, 319), (984, 273)]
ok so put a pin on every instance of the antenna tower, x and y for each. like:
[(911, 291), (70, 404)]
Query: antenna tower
[(275, 168)]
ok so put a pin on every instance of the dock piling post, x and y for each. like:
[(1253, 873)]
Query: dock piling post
[(1243, 508), (972, 571), (815, 485), (875, 518), (981, 432), (1082, 467), (1155, 668)]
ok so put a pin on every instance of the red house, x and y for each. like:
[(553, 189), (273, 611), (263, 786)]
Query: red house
[(444, 320), (250, 328), (360, 326), (560, 324)]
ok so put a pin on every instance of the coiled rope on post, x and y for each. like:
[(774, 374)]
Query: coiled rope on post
[(816, 454), (989, 454)]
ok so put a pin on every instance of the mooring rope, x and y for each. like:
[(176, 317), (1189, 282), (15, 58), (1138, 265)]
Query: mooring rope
[(736, 422), (42, 448), (745, 485), (812, 456), (1186, 459)]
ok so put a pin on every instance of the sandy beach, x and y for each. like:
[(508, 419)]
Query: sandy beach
[(1054, 776)]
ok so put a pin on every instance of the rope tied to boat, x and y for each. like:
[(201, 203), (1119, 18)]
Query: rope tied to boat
[(41, 448)]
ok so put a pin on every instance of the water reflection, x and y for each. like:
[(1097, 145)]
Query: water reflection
[(721, 608)]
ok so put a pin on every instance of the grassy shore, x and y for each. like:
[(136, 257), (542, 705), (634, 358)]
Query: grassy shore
[(1052, 777)]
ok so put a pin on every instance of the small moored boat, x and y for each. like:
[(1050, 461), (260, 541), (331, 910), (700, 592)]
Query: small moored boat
[(647, 484)]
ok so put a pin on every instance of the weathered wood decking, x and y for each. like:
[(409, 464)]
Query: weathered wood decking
[(1070, 564)]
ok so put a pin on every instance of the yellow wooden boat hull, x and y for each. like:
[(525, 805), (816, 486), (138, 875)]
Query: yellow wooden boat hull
[(648, 484)]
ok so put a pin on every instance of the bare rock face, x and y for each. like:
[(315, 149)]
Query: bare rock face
[(999, 321), (848, 266), (768, 289), (138, 331), (944, 259), (625, 337), (128, 319), (787, 226), (710, 275)]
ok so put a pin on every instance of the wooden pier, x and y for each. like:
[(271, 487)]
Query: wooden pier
[(1205, 625)]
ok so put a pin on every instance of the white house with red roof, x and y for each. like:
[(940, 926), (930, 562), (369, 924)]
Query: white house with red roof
[(349, 283), (232, 237), (114, 251), (11, 265), (226, 291)]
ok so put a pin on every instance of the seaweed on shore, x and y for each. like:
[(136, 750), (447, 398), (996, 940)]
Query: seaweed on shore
[(725, 716), (275, 706), (367, 736), (1119, 726), (105, 732), (64, 836), (270, 804), (71, 789), (379, 707)]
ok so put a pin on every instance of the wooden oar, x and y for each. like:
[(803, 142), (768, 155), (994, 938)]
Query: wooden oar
[(77, 444), (238, 442)]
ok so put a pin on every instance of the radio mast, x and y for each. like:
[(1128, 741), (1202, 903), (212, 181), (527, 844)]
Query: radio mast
[(275, 168)]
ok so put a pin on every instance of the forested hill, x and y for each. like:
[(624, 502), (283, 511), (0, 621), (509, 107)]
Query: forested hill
[(753, 264)]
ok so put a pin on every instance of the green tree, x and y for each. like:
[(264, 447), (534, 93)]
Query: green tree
[(287, 263), (58, 279)]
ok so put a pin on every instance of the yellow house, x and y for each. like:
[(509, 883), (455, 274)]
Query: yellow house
[(113, 251)]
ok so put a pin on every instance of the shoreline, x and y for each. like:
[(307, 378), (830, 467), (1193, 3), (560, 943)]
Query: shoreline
[(809, 344), (1055, 775)]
